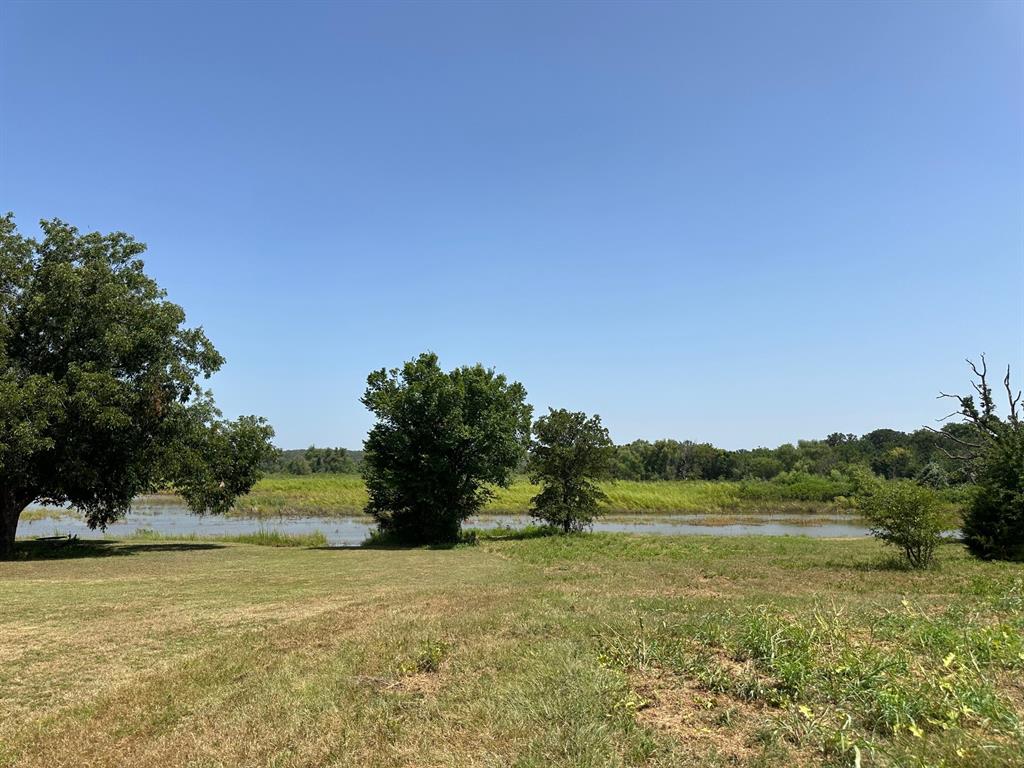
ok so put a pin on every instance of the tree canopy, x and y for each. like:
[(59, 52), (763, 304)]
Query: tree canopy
[(100, 395), (441, 439)]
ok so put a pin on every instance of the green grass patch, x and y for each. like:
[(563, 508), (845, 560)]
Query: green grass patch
[(262, 538)]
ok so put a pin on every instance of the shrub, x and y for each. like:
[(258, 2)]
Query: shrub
[(907, 516)]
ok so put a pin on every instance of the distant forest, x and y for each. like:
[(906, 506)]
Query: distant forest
[(314, 461), (886, 452)]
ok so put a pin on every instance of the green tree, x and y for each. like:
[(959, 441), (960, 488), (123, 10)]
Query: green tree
[(994, 523), (441, 439), (907, 516), (994, 452), (99, 385), (568, 452)]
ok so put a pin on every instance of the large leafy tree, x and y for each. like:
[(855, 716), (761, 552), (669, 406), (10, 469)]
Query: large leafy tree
[(568, 453), (441, 441), (100, 395)]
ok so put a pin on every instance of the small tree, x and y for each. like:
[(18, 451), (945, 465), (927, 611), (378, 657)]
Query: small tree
[(568, 453), (993, 452), (906, 515), (440, 440), (100, 395)]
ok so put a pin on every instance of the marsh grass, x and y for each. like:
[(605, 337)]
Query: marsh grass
[(262, 538), (47, 513), (346, 495)]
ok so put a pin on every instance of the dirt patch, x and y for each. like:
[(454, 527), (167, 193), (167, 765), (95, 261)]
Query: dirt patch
[(704, 723), (419, 683), (705, 726)]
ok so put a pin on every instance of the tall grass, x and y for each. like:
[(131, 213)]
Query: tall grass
[(263, 538)]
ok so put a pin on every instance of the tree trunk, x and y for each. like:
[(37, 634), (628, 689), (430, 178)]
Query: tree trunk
[(11, 506)]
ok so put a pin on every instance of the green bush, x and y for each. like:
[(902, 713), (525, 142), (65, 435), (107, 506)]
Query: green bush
[(908, 516), (799, 486)]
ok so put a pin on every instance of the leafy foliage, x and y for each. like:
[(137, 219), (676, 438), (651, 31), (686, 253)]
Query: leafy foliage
[(439, 441), (907, 516), (568, 452), (994, 523), (99, 384), (933, 475)]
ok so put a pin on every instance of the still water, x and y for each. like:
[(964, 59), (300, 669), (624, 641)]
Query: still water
[(174, 519)]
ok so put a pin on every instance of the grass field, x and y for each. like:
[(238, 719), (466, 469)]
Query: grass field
[(590, 650), (346, 494)]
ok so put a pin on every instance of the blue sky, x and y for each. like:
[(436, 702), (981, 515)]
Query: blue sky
[(742, 223)]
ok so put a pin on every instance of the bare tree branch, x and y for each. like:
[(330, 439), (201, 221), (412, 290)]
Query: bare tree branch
[(1009, 396), (954, 456), (984, 367), (955, 439)]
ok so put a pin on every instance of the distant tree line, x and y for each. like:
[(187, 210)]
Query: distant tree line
[(314, 461), (920, 455)]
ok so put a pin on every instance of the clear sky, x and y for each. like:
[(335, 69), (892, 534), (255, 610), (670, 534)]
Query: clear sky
[(741, 223)]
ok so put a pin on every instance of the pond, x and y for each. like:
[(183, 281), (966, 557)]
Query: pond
[(173, 519)]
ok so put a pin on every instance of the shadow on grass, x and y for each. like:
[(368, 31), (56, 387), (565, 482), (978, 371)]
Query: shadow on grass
[(519, 534), (386, 546), (884, 563), (70, 549), (893, 561), (468, 537)]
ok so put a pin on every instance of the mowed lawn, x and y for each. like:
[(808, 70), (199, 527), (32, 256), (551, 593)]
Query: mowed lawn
[(591, 650)]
